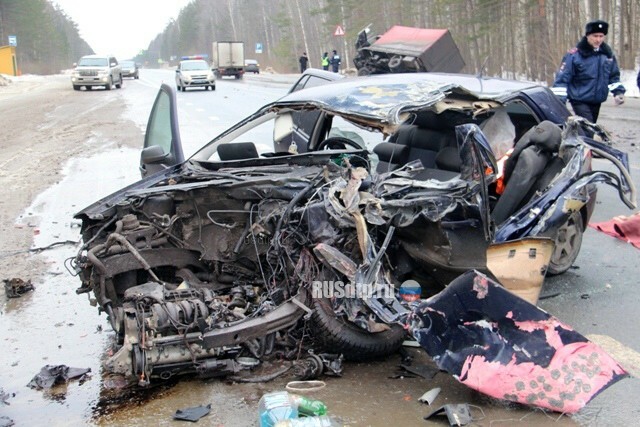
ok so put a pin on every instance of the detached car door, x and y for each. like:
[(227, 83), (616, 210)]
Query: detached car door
[(162, 144)]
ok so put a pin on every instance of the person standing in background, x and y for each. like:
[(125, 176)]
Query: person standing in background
[(638, 79), (325, 61), (588, 73), (304, 61), (335, 61)]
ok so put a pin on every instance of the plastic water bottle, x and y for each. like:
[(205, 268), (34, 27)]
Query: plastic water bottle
[(282, 405), (309, 407), (322, 421), (274, 407)]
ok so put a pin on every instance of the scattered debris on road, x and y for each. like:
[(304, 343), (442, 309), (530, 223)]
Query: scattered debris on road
[(622, 227), (458, 414), (51, 375), (192, 414), (17, 287)]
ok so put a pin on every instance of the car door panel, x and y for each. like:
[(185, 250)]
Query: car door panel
[(162, 144)]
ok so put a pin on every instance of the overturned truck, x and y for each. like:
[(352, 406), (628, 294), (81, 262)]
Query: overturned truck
[(407, 49), (295, 229)]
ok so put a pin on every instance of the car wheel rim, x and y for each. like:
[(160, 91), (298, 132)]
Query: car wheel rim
[(567, 243)]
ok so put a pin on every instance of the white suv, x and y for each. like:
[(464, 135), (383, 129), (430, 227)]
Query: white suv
[(97, 70), (195, 73)]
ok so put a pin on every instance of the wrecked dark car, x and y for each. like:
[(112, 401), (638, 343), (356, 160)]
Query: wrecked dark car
[(296, 228)]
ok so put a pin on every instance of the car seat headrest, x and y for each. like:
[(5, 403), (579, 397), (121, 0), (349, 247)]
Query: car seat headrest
[(546, 136)]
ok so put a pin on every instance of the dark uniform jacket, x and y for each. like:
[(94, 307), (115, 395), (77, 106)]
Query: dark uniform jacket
[(587, 75)]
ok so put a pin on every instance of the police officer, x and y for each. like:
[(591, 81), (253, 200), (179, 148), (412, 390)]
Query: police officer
[(325, 61), (588, 72), (335, 61)]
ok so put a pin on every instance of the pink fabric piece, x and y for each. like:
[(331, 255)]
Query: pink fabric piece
[(576, 373), (625, 228)]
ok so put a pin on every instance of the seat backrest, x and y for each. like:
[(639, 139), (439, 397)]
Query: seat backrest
[(435, 148), (448, 159), (530, 168), (237, 151), (546, 135), (390, 156), (424, 144)]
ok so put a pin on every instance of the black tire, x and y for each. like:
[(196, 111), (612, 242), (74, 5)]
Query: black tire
[(184, 89), (568, 241), (336, 334), (213, 87), (76, 87), (119, 85), (109, 85)]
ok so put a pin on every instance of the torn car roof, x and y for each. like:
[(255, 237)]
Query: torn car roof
[(385, 97)]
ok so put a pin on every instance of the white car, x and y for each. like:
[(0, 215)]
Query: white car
[(195, 73), (97, 70)]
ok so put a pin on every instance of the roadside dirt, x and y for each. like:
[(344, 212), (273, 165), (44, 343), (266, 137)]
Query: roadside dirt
[(44, 124)]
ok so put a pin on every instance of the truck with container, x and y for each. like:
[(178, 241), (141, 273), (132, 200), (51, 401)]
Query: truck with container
[(228, 58), (407, 49)]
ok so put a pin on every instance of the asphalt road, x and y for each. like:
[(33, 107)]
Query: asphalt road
[(599, 297)]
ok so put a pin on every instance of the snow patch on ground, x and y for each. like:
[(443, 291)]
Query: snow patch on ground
[(629, 80)]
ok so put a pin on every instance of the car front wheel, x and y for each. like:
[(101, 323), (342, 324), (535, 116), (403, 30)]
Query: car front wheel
[(567, 245), (109, 85), (335, 333)]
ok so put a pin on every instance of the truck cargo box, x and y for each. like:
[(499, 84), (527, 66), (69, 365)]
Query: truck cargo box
[(408, 49), (228, 58)]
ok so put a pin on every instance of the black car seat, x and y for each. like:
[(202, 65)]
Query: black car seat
[(412, 142), (531, 166), (390, 156)]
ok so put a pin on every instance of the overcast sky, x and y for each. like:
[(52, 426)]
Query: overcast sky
[(121, 27)]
